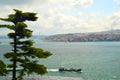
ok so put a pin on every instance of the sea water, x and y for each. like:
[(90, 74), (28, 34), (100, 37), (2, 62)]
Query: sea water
[(98, 60)]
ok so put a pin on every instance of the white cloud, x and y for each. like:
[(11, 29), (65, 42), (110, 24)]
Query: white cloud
[(84, 3), (59, 1), (117, 1), (59, 17), (73, 3), (114, 20), (88, 23)]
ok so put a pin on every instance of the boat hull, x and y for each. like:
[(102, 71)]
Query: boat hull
[(75, 70)]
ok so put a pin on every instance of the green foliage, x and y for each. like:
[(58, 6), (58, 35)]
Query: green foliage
[(19, 16), (37, 68), (25, 43), (10, 65), (38, 52), (10, 55), (3, 70), (11, 35), (23, 55), (12, 27)]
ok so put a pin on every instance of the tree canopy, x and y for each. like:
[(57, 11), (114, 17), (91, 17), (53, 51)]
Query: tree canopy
[(23, 54)]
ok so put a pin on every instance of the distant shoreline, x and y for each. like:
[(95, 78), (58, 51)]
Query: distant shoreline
[(86, 37)]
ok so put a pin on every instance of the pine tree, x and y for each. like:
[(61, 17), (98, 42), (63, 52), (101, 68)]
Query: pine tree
[(3, 70), (23, 55)]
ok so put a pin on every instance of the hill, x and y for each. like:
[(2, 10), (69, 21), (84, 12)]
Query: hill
[(113, 35)]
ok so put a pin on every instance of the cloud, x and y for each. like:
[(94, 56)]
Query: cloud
[(13, 2), (60, 1), (61, 23), (114, 20), (117, 1), (4, 31), (83, 3), (60, 16), (93, 22), (73, 3)]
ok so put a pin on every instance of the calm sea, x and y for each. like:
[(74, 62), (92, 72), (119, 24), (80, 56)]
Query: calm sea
[(98, 60)]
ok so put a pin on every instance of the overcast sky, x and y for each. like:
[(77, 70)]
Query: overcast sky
[(66, 16)]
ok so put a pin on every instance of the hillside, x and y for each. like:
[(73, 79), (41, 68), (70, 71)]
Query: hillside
[(85, 37)]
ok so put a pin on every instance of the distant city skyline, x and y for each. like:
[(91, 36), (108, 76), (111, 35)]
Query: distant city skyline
[(66, 16)]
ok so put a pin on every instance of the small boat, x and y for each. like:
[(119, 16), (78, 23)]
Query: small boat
[(69, 69)]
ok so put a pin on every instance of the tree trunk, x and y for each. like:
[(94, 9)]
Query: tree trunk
[(14, 60), (14, 70)]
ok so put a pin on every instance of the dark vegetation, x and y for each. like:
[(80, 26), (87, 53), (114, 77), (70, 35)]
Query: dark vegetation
[(23, 55)]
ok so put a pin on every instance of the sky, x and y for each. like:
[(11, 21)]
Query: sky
[(66, 16)]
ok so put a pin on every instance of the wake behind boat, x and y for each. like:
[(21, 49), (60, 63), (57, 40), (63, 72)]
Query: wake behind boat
[(69, 69)]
